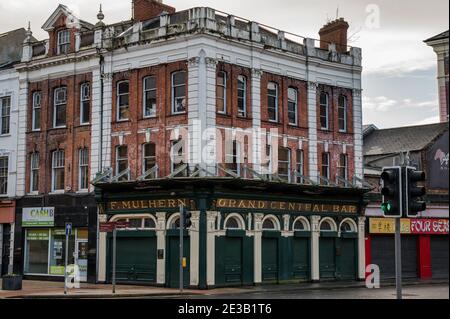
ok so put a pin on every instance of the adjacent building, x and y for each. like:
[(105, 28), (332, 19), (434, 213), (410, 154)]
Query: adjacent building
[(439, 43), (425, 239), (256, 131)]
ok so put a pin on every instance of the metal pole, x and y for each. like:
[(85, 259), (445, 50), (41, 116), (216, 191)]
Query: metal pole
[(398, 258), (65, 262), (114, 261), (181, 248)]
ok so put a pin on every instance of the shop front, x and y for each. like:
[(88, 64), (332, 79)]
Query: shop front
[(40, 249), (262, 233), (424, 247)]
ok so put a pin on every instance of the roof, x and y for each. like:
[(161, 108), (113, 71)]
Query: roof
[(11, 47), (440, 36), (367, 129), (401, 139)]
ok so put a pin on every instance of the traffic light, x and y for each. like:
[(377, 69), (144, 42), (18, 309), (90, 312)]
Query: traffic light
[(414, 203), (187, 218), (391, 191)]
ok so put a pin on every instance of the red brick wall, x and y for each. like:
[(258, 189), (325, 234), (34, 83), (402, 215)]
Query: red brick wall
[(335, 152), (146, 9), (136, 122), (48, 139)]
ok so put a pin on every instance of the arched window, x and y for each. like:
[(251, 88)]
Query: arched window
[(346, 228), (268, 224), (232, 223), (299, 225), (149, 223), (293, 106), (342, 113), (123, 101), (242, 95), (272, 101), (149, 98), (175, 224), (326, 226), (221, 95), (85, 103)]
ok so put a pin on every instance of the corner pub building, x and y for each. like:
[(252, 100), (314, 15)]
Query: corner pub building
[(155, 84)]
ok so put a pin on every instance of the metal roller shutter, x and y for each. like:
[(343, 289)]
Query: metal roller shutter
[(439, 256)]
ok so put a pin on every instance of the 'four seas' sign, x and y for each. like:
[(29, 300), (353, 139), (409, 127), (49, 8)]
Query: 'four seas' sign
[(38, 217)]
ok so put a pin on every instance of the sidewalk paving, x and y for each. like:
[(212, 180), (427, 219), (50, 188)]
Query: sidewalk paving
[(45, 289)]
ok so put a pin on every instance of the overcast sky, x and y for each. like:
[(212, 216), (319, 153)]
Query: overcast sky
[(399, 78)]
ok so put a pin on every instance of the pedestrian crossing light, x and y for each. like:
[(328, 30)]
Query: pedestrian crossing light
[(391, 191), (414, 203), (187, 218)]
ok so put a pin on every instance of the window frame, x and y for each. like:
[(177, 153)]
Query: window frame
[(327, 165), (5, 113), (173, 89), (121, 159), (224, 88), (295, 123), (341, 167), (327, 111), (288, 161), (36, 109), (57, 104), (118, 106), (83, 101), (144, 97), (83, 165), (34, 158), (182, 155), (4, 175), (235, 156), (242, 112), (344, 109), (55, 168), (147, 157), (276, 106), (60, 44), (300, 164)]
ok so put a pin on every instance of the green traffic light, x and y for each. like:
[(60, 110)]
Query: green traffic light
[(386, 207)]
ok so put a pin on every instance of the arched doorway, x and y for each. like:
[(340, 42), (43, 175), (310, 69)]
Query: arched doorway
[(173, 253), (269, 254), (327, 254), (348, 253), (300, 248)]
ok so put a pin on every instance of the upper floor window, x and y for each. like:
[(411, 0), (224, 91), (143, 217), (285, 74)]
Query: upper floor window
[(284, 164), (149, 158), (3, 175), (221, 93), (122, 161), (324, 105), (177, 155), (63, 41), (300, 166), (293, 106), (59, 107), (5, 110), (34, 173), (178, 92), (242, 95), (83, 169), (266, 163), (343, 166), (326, 165), (272, 101), (149, 96), (123, 101), (36, 112), (85, 103), (342, 113), (58, 170), (232, 158)]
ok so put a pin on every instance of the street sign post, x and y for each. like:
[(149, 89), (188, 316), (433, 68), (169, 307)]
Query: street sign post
[(181, 247), (68, 233)]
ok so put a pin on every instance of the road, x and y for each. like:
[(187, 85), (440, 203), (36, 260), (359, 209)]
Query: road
[(434, 291)]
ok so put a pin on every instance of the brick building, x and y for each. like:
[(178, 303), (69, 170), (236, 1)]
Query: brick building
[(256, 130)]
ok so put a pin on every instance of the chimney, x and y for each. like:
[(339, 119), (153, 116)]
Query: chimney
[(144, 10), (334, 32)]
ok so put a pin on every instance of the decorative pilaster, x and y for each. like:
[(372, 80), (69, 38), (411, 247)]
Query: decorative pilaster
[(361, 248), (211, 218), (256, 114), (312, 125), (161, 245), (257, 240), (358, 134), (315, 233), (194, 248)]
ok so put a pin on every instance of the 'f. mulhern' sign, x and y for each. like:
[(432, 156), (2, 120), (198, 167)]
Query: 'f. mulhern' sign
[(38, 216)]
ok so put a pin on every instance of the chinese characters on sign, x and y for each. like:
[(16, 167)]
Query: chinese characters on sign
[(409, 226)]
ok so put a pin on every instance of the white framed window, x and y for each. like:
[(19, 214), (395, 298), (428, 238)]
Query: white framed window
[(63, 41), (300, 165), (343, 166), (266, 163), (122, 161), (58, 170), (221, 93), (326, 165), (149, 89), (4, 175), (34, 172), (232, 158), (242, 95), (177, 155), (123, 100), (83, 169), (342, 113), (324, 108), (272, 101), (293, 106), (5, 114), (284, 164), (179, 92), (85, 103), (148, 157), (36, 111), (59, 107)]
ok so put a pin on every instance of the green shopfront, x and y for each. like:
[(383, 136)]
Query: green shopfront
[(244, 232)]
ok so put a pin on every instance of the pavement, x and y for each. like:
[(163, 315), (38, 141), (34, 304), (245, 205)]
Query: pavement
[(32, 289)]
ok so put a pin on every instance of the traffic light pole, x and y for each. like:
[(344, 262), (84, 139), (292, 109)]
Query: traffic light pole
[(181, 248), (398, 258)]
